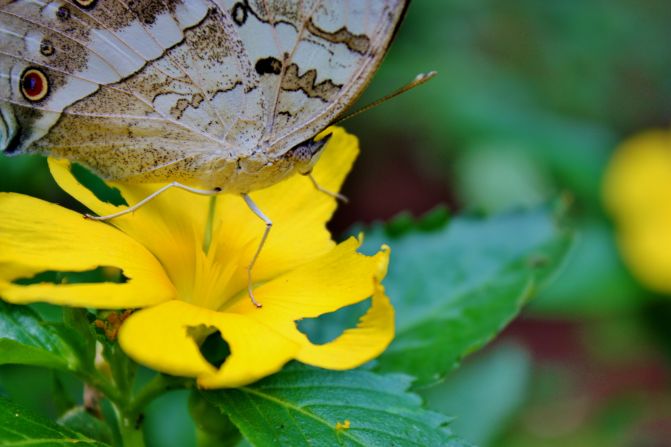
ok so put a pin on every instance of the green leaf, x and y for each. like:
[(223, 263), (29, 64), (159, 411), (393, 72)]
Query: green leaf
[(28, 340), (81, 421), (302, 406), (212, 428), (167, 422), (455, 289), (19, 427), (500, 377), (80, 321), (595, 282), (62, 399)]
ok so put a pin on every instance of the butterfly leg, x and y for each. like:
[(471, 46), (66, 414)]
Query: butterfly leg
[(130, 209), (269, 224), (319, 188)]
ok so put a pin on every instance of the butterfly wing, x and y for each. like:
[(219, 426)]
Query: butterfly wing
[(325, 54), (156, 90), (111, 92)]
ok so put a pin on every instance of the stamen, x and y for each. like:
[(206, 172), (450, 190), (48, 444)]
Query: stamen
[(209, 225)]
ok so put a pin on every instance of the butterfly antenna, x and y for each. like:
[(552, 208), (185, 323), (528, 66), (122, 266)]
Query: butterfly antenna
[(419, 80)]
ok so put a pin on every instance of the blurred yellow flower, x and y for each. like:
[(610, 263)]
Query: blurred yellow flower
[(637, 192), (186, 292)]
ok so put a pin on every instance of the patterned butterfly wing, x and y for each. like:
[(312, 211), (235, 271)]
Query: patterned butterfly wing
[(204, 92)]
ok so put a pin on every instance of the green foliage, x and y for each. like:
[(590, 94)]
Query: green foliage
[(212, 427), (180, 431), (19, 427), (79, 322), (595, 281), (556, 83), (486, 393), (455, 288), (303, 406), (26, 339), (81, 421)]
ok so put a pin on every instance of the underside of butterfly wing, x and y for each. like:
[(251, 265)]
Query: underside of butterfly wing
[(205, 92)]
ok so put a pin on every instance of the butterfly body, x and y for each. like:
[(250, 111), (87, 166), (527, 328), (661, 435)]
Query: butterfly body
[(213, 93)]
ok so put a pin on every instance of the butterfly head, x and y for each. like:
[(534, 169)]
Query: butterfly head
[(8, 127), (305, 155)]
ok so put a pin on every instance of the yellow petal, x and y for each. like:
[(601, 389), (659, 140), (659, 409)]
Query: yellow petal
[(256, 352), (299, 213), (174, 234), (646, 248), (159, 338), (337, 159), (192, 207), (637, 184), (37, 236), (337, 279), (263, 340), (60, 171), (359, 345), (637, 188)]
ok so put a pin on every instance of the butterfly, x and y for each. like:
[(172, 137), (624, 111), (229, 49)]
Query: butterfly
[(211, 95)]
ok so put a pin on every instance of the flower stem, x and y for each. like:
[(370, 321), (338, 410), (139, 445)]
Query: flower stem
[(154, 388), (209, 226), (130, 428), (103, 385)]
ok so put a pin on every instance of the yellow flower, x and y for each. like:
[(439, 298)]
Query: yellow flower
[(637, 191), (186, 291)]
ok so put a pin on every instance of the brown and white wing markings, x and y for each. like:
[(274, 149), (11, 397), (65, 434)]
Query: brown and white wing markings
[(154, 90), (339, 45), (119, 125)]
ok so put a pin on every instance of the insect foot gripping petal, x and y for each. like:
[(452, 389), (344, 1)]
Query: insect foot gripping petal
[(150, 197), (269, 224)]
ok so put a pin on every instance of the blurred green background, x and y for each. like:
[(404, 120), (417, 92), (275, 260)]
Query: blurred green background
[(531, 99)]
